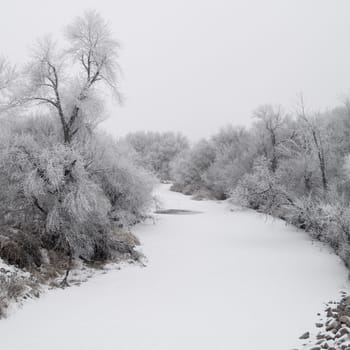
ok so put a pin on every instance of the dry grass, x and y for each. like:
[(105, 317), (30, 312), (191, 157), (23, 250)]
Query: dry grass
[(14, 288), (19, 248)]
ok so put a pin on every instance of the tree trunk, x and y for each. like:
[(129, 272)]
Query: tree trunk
[(64, 282), (322, 162)]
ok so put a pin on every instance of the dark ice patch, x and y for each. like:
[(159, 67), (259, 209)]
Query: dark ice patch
[(177, 212)]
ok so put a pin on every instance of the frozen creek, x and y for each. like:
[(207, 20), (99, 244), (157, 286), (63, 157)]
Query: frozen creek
[(217, 279)]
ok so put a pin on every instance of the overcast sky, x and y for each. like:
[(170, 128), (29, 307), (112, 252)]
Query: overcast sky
[(196, 65)]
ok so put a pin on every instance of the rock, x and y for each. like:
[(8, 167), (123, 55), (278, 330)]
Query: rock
[(345, 319), (329, 312), (305, 336), (319, 325), (334, 324), (320, 336), (316, 348), (343, 331)]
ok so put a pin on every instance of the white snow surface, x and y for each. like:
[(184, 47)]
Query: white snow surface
[(219, 279)]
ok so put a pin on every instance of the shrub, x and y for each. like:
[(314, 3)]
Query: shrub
[(66, 198), (262, 191), (14, 287), (308, 214), (20, 248)]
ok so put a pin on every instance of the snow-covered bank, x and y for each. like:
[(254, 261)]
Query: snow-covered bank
[(214, 280)]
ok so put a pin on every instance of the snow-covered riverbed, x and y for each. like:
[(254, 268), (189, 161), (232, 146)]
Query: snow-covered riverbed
[(214, 280)]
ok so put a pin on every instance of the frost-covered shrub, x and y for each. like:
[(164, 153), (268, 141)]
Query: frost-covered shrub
[(336, 215), (11, 288), (261, 190), (327, 221), (127, 186), (51, 188), (15, 286), (308, 214), (124, 243), (67, 197)]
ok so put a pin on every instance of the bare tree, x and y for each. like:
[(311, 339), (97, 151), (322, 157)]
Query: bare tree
[(92, 46), (313, 127), (8, 78), (272, 126), (67, 79)]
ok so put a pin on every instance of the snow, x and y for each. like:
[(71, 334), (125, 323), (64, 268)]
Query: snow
[(218, 279)]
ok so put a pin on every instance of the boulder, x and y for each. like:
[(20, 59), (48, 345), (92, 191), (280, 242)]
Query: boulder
[(306, 335)]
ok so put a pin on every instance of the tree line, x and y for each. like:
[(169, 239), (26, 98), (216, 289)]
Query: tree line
[(67, 189), (292, 165)]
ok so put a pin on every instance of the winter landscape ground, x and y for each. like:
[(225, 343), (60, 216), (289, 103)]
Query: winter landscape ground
[(221, 278)]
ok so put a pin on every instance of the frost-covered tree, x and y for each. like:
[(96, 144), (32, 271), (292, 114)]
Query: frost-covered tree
[(68, 79), (272, 132), (316, 130), (235, 151), (8, 81)]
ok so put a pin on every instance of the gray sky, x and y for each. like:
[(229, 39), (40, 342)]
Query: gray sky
[(196, 65)]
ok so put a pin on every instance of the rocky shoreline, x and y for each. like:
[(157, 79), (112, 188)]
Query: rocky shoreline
[(332, 328)]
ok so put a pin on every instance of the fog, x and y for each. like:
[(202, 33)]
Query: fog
[(196, 65)]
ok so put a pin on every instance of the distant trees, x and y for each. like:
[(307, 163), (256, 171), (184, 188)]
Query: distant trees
[(293, 166), (8, 78), (190, 168), (235, 152), (156, 151), (297, 149), (213, 167), (270, 129)]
